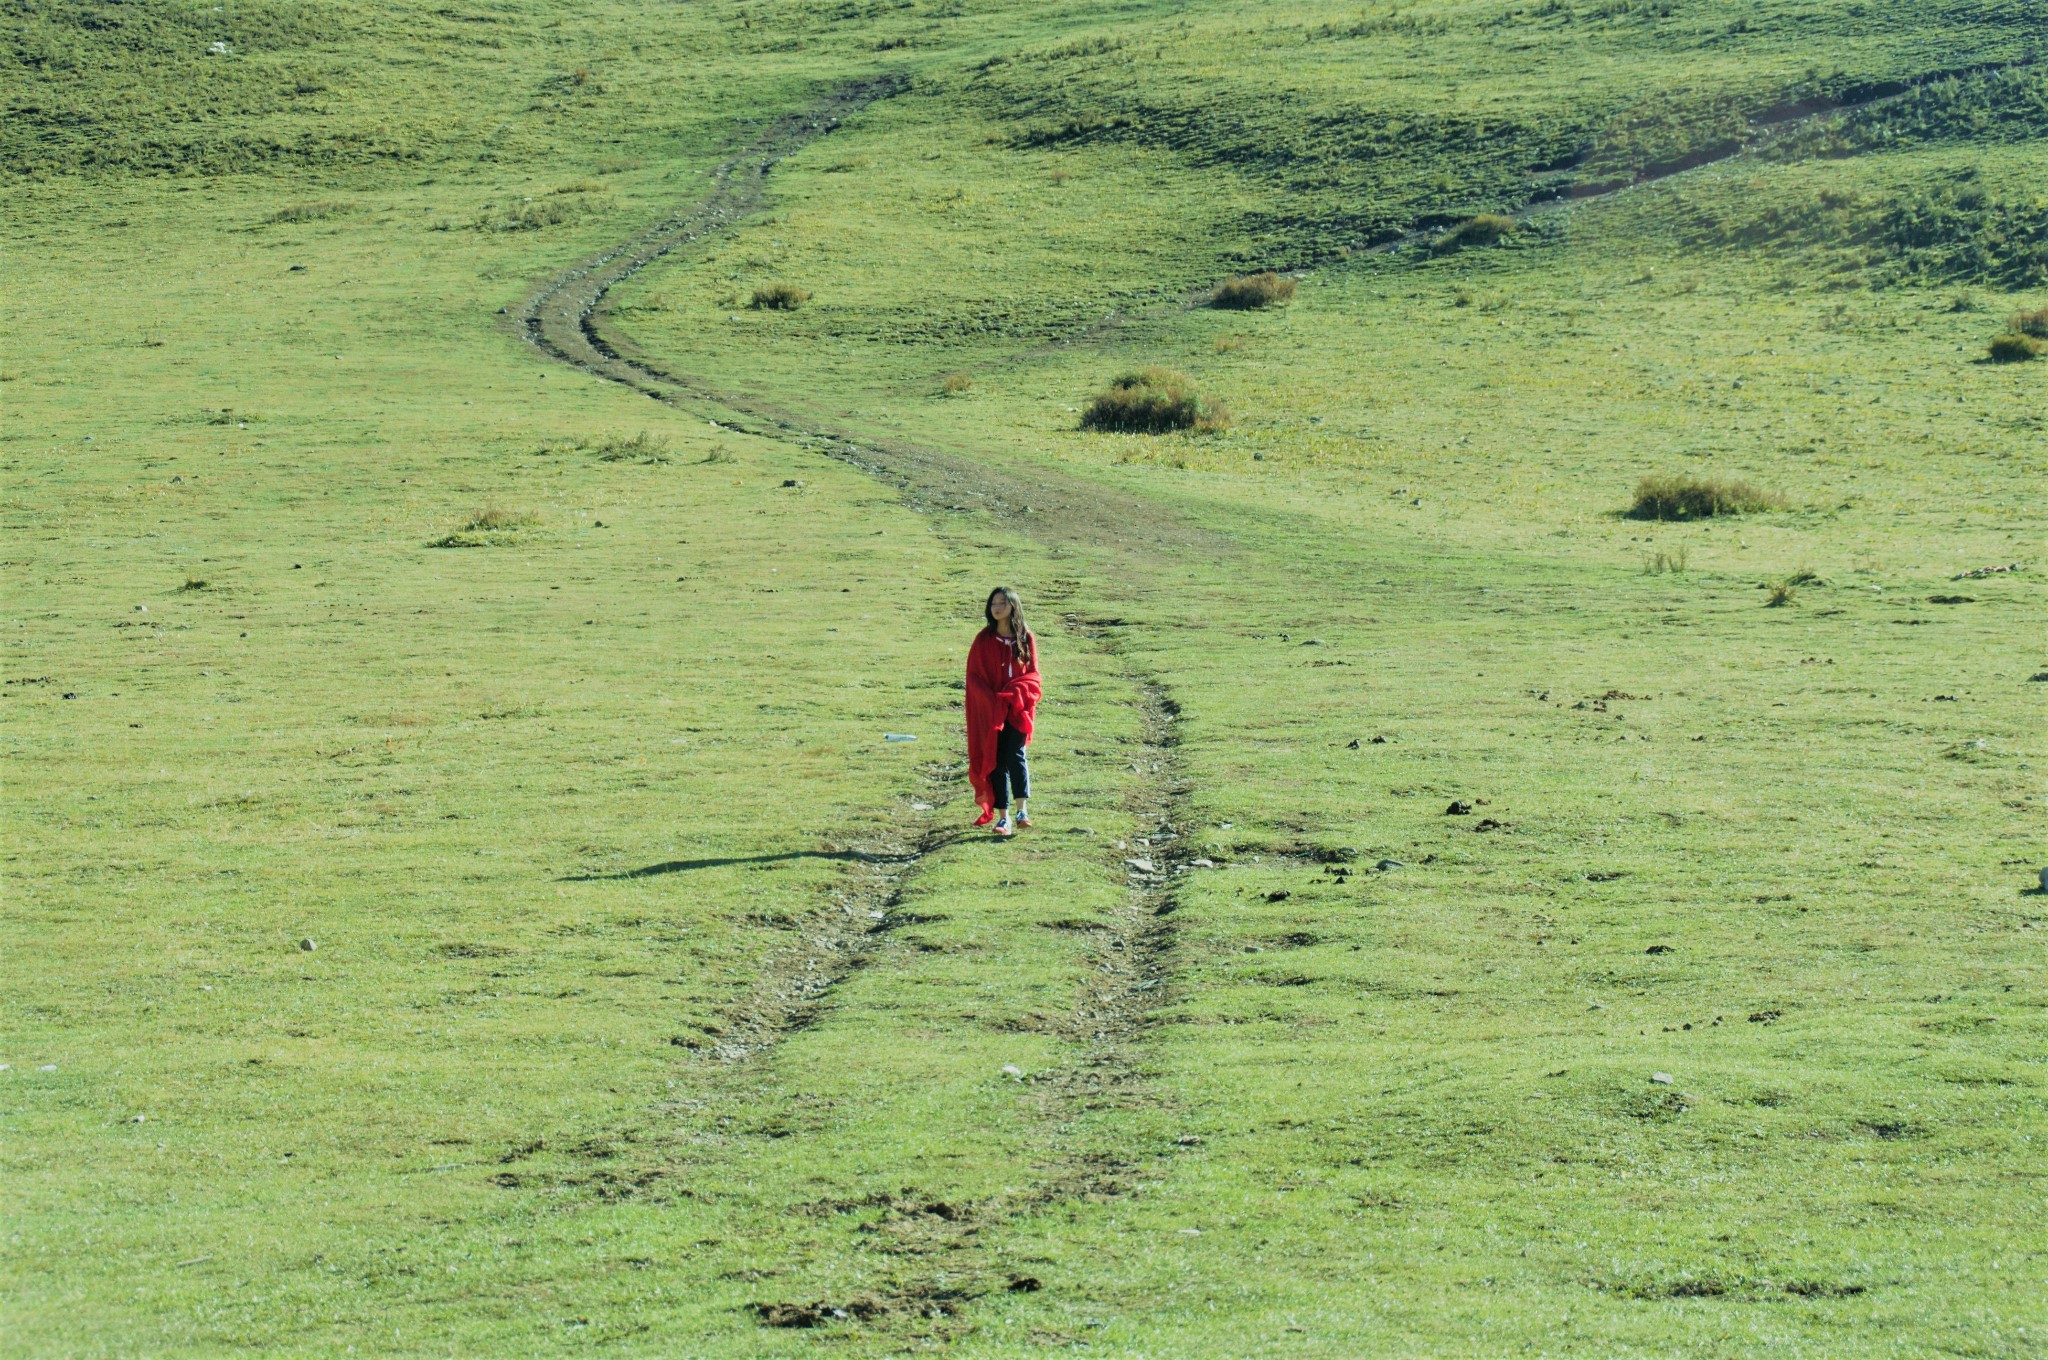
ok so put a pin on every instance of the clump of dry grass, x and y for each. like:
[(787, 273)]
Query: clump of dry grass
[(779, 297), (494, 517), (2014, 347), (1487, 229), (1153, 400), (1782, 594), (644, 447), (1678, 496), (1660, 562), (2034, 323), (953, 384), (1248, 292), (308, 212)]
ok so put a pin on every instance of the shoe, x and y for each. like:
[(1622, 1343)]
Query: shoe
[(1002, 828), (1023, 822), (984, 819)]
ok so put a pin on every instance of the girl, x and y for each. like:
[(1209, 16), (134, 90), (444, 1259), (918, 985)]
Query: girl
[(1002, 698)]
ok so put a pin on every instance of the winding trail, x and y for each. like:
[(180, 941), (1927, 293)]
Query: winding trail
[(1131, 956)]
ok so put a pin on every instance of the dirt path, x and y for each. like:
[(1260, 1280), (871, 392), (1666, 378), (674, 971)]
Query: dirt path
[(946, 1264)]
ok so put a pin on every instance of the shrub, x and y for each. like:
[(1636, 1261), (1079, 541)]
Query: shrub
[(2014, 347), (953, 384), (1247, 292), (778, 297), (644, 447), (1681, 497), (1487, 229), (1782, 594), (1153, 401), (2032, 323)]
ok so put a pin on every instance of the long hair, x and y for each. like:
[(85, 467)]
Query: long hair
[(1027, 646)]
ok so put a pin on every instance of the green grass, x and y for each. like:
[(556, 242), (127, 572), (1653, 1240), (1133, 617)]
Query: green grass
[(550, 810)]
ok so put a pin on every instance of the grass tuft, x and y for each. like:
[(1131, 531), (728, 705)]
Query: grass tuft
[(308, 212), (953, 384), (2034, 323), (1248, 292), (779, 297), (1677, 496), (644, 447), (2014, 347), (1662, 563), (1782, 594), (1153, 400), (493, 518), (1487, 229)]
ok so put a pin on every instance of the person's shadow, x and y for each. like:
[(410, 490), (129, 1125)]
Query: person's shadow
[(683, 866)]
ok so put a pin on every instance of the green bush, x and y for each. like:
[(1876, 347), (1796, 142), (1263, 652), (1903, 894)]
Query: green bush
[(2015, 347), (1487, 229), (1248, 292), (1153, 401), (1676, 496), (778, 297)]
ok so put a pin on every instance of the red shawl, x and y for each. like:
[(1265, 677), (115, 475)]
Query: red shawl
[(997, 694)]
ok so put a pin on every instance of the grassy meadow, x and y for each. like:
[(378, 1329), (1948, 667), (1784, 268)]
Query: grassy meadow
[(459, 897)]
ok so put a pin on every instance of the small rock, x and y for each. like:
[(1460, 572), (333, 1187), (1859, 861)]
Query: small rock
[(1187, 1140), (1282, 895), (1080, 831), (1459, 808), (1201, 864), (1024, 1284), (1595, 1006), (1488, 824), (1661, 1078), (1314, 642), (142, 609), (138, 1119), (308, 945), (1143, 866), (47, 1067), (1190, 1232), (920, 807), (1012, 1070), (1351, 745), (71, 694), (2044, 880), (793, 481), (1386, 864), (1658, 949)]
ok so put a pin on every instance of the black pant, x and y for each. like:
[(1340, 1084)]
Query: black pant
[(1012, 774)]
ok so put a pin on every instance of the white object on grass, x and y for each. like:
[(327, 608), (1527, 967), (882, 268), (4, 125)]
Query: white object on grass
[(897, 736)]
